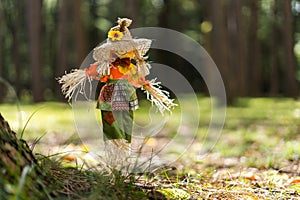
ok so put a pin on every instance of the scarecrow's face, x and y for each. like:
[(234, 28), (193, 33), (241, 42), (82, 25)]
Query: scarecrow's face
[(122, 54)]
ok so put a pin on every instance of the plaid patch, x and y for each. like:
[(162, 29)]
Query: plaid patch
[(120, 106), (120, 99), (120, 94), (106, 92)]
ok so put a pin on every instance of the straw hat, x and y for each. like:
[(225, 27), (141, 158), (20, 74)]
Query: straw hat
[(120, 40)]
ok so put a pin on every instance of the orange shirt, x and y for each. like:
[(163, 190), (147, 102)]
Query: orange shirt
[(116, 74)]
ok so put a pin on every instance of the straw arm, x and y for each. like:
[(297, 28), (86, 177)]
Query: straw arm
[(74, 83), (158, 96)]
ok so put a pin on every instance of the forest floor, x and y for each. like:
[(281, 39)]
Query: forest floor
[(256, 156)]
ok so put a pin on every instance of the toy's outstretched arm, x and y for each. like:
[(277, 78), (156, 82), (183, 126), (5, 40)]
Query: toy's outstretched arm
[(157, 96), (74, 82)]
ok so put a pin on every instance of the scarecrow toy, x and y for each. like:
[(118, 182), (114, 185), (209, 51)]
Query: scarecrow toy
[(121, 64)]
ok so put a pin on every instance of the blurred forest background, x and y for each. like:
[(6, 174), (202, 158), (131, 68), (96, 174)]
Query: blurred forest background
[(255, 43)]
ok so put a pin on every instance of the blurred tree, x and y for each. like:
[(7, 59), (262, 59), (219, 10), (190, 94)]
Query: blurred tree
[(164, 14), (93, 19), (1, 51), (80, 38), (219, 46), (12, 22), (275, 62), (34, 12), (182, 16), (63, 26), (254, 68), (251, 41), (49, 45), (132, 9), (236, 47), (291, 88)]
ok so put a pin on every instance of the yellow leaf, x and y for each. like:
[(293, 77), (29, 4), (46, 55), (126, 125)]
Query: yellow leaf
[(174, 193), (84, 148)]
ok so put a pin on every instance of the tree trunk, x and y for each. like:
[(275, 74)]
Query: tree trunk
[(23, 176), (62, 42), (80, 39), (163, 17), (254, 71), (219, 44), (16, 161), (13, 26), (291, 88), (34, 10), (236, 47), (132, 10), (241, 32), (15, 154), (274, 70), (1, 53), (16, 60)]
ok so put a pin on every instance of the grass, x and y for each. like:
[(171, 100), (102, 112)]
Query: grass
[(47, 118), (256, 157)]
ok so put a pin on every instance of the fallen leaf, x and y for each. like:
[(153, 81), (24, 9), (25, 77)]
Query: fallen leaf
[(152, 142), (251, 176), (295, 181), (69, 158), (84, 148), (174, 193)]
